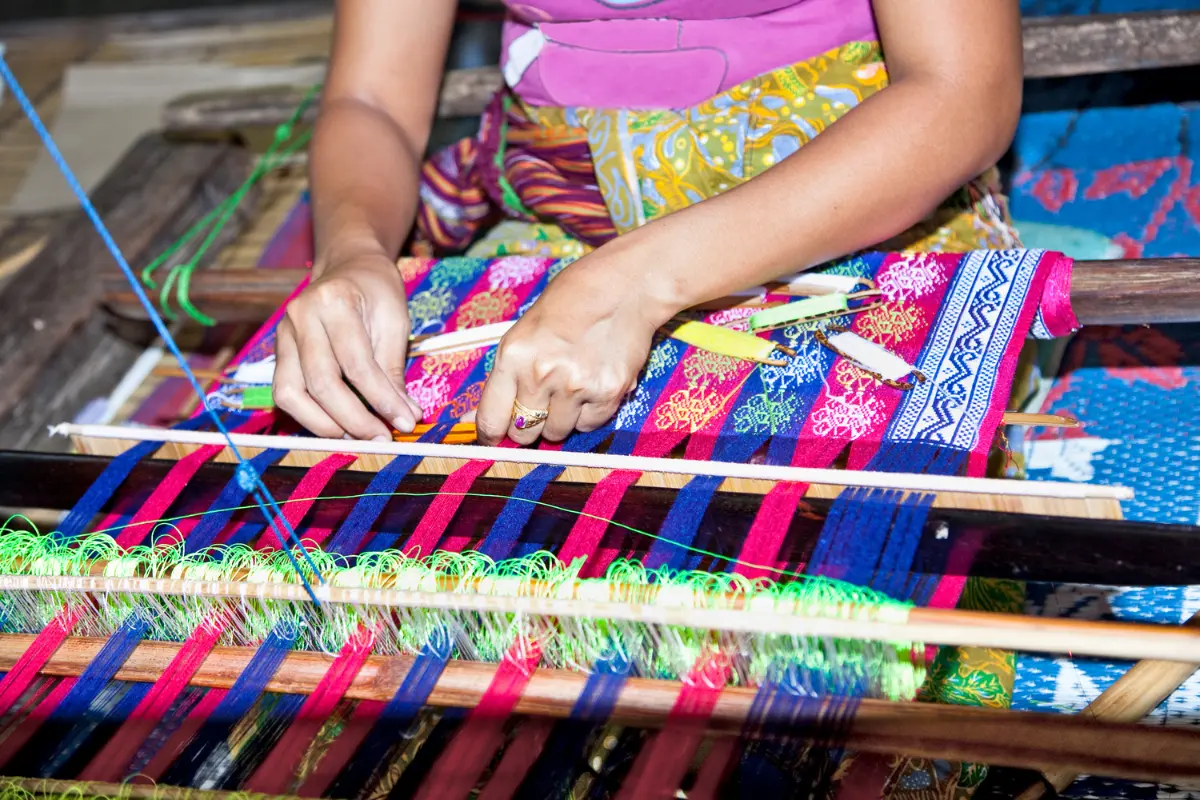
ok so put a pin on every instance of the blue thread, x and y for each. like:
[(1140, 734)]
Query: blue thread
[(104, 487), (557, 768), (502, 538), (242, 696), (230, 498), (261, 494), (90, 734), (367, 510), (74, 706), (396, 718)]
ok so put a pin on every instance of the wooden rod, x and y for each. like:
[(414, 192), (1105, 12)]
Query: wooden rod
[(923, 730), (1134, 695), (1121, 292), (464, 432), (957, 627)]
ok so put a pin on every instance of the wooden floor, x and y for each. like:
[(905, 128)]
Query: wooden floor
[(40, 56)]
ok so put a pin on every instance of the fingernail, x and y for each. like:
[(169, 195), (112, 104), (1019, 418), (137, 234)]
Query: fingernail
[(347, 437), (403, 425), (381, 438)]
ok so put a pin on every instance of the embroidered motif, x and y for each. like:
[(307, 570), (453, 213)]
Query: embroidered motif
[(662, 358), (688, 409), (486, 308), (851, 378), (466, 400), (890, 323), (456, 271), (847, 416), (430, 308), (509, 273), (412, 269), (431, 392), (912, 278), (447, 363), (703, 368), (765, 414)]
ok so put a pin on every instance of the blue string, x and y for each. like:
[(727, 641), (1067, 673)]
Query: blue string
[(222, 509), (249, 476)]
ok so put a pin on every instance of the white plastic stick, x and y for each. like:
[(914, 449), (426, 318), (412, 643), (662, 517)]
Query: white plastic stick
[(607, 461)]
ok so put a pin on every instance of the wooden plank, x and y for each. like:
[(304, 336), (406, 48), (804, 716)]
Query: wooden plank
[(924, 730), (1057, 47), (156, 190), (1054, 47), (1128, 292)]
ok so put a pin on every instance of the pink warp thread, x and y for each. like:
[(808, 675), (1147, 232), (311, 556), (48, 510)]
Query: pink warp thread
[(18, 679), (518, 758), (662, 765), (458, 769), (342, 749), (109, 765), (275, 775), (437, 517), (304, 495)]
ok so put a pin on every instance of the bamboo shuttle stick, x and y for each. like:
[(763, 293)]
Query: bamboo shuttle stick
[(1130, 699), (923, 730), (953, 627), (605, 461), (462, 429)]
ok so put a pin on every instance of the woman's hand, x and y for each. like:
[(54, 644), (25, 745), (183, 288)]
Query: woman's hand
[(349, 328), (575, 354)]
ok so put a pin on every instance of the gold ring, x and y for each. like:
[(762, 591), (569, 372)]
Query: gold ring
[(525, 417)]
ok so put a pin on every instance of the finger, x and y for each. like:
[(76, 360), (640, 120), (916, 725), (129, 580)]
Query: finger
[(355, 356), (563, 419), (494, 413), (391, 353), (594, 415), (323, 380), (527, 421), (289, 391)]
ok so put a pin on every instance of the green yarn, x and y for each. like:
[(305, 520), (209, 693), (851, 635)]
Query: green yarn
[(888, 669), (285, 144)]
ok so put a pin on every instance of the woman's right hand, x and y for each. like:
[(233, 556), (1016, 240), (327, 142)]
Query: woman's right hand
[(349, 327)]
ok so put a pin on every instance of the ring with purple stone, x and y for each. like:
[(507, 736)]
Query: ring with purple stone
[(525, 417)]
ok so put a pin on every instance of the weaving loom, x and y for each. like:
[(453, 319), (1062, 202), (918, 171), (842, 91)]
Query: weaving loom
[(741, 584), (456, 622)]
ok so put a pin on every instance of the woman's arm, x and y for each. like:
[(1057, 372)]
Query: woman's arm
[(948, 114), (351, 325)]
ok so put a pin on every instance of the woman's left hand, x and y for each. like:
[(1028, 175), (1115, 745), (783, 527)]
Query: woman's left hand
[(573, 356)]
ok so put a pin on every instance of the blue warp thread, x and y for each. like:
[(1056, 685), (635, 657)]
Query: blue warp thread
[(231, 497), (395, 721)]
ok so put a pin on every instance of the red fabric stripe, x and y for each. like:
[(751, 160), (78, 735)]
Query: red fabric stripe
[(18, 679), (276, 775), (167, 492), (24, 731), (443, 508), (458, 769), (518, 759), (303, 496), (661, 766), (721, 758), (109, 764)]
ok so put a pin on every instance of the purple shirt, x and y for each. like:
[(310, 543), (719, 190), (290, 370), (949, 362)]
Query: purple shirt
[(663, 54)]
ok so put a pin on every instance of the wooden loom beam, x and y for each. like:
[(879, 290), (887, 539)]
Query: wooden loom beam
[(1123, 292), (1007, 738), (56, 349), (1054, 47)]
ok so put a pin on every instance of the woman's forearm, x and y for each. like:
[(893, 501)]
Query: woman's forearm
[(882, 168), (365, 176)]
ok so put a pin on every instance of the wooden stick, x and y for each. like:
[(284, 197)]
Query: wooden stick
[(955, 627), (923, 730), (1120, 292), (1135, 694), (596, 461), (464, 429)]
